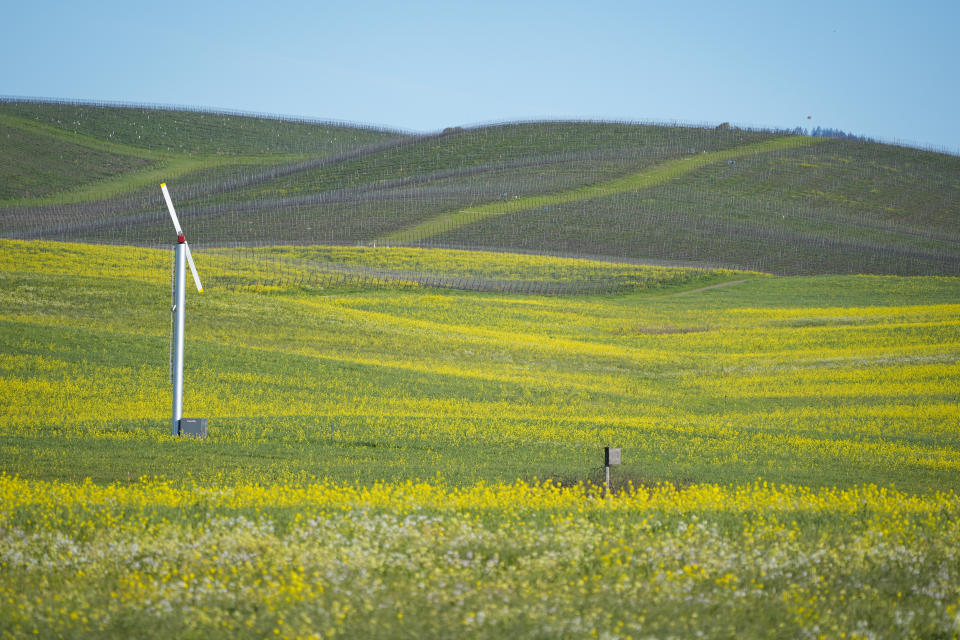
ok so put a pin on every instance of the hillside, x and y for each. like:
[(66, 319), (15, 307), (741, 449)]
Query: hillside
[(391, 460), (732, 198), (822, 381)]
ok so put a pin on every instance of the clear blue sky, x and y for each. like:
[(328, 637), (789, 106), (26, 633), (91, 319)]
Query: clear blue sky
[(884, 69)]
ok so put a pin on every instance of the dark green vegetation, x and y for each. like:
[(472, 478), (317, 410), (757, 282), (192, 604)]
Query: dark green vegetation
[(195, 133), (840, 380), (818, 206), (36, 162), (835, 206)]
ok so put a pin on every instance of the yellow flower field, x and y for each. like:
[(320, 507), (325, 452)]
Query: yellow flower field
[(386, 459), (428, 559)]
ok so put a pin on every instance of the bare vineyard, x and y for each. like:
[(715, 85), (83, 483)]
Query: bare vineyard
[(837, 206)]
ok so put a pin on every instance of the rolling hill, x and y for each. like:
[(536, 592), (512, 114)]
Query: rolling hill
[(386, 458), (731, 198)]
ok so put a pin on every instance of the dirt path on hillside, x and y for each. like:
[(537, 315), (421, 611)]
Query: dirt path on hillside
[(712, 286)]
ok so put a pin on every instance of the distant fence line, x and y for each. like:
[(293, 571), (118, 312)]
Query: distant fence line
[(93, 214), (342, 275), (286, 270)]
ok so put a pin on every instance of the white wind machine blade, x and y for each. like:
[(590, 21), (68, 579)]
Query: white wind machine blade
[(193, 267), (173, 213), (180, 237)]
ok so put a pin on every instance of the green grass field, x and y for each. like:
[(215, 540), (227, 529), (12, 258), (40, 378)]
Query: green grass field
[(386, 458), (378, 451), (191, 132), (811, 374), (407, 441)]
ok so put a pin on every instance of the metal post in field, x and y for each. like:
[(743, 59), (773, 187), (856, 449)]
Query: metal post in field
[(611, 456), (178, 312)]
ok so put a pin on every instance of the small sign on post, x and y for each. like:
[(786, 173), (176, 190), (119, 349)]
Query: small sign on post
[(611, 457)]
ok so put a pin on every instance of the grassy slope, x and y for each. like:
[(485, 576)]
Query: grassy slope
[(192, 132), (591, 148), (99, 153), (818, 381), (30, 166), (37, 160), (645, 179), (831, 207)]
